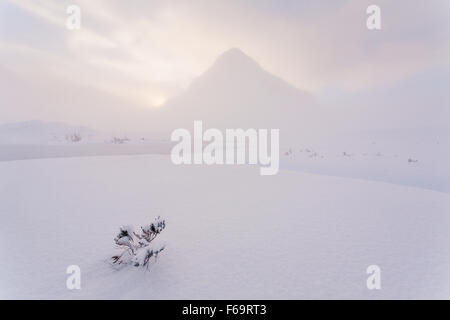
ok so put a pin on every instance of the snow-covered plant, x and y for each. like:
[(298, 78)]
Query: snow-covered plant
[(137, 247)]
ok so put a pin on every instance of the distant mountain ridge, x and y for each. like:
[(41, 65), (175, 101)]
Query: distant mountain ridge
[(40, 132)]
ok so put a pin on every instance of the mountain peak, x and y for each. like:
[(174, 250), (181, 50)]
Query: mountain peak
[(235, 58), (234, 52)]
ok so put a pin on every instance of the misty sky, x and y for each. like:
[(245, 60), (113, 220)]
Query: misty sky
[(142, 52)]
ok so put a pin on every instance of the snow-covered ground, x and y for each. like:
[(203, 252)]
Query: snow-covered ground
[(52, 134), (230, 233), (421, 161), (39, 139)]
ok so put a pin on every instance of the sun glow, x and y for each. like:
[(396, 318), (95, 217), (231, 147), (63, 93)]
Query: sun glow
[(158, 101)]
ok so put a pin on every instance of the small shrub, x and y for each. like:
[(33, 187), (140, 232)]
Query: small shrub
[(136, 246)]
